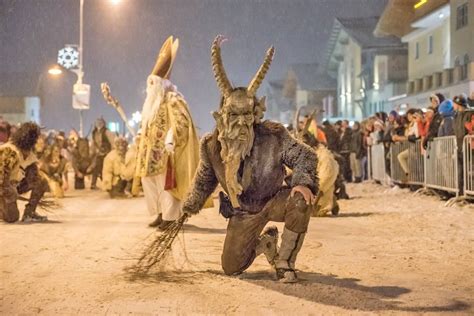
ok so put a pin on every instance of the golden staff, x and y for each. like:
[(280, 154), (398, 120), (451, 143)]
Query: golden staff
[(104, 86)]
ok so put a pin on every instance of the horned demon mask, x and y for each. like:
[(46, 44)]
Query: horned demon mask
[(238, 113)]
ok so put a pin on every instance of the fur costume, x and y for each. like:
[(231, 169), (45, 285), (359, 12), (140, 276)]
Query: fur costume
[(247, 157), (54, 167), (82, 163), (113, 179), (19, 174), (328, 170)]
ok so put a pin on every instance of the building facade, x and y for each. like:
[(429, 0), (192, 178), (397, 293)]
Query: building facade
[(440, 47), (369, 70)]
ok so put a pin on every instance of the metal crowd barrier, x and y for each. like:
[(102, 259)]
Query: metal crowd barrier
[(468, 152), (377, 159), (441, 164), (415, 162)]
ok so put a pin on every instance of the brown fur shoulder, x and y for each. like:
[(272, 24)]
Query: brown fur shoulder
[(271, 128)]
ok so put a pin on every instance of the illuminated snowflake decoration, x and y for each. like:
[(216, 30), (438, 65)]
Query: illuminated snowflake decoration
[(68, 57)]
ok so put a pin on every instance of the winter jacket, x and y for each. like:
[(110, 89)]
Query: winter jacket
[(460, 119), (433, 129), (356, 144), (446, 110), (346, 138), (332, 138)]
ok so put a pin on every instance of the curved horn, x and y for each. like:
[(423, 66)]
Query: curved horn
[(260, 75), (309, 121), (297, 120), (218, 68)]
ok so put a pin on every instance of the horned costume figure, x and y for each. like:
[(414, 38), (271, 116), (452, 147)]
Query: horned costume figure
[(19, 174), (169, 148), (247, 157), (327, 169)]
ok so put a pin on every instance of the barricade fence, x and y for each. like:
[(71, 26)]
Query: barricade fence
[(468, 150), (377, 158), (439, 167), (442, 164)]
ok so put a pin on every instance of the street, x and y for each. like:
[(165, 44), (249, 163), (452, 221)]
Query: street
[(388, 252)]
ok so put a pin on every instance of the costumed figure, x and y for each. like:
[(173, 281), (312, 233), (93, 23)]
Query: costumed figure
[(169, 147), (102, 140), (247, 157), (113, 177), (40, 147), (19, 174), (53, 166), (82, 163), (327, 168)]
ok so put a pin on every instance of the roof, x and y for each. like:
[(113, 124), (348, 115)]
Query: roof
[(19, 84), (361, 30), (9, 105), (311, 77), (398, 16)]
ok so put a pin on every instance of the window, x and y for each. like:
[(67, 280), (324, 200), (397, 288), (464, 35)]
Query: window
[(417, 50), (461, 16), (430, 44)]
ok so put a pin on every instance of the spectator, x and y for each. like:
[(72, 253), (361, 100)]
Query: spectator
[(470, 100), (411, 134), (4, 131), (460, 119), (102, 140), (356, 152), (345, 149), (446, 111), (436, 100), (332, 136)]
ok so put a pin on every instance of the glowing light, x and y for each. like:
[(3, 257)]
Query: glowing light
[(115, 2), (420, 3), (441, 15), (55, 71), (137, 117)]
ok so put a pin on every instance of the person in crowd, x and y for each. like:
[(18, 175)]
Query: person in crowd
[(435, 99), (332, 136), (113, 173), (424, 126), (19, 174), (4, 131), (40, 147), (461, 117), (389, 126), (446, 111), (54, 167), (470, 100), (317, 132), (377, 133), (102, 140), (411, 134), (82, 163), (356, 152), (345, 149)]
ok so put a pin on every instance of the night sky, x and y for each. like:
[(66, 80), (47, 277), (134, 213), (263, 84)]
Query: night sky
[(121, 42)]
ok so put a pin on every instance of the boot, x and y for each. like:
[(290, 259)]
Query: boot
[(157, 222), (291, 243), (30, 215), (268, 244)]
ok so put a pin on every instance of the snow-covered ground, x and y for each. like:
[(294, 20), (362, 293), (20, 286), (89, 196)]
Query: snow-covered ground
[(388, 252)]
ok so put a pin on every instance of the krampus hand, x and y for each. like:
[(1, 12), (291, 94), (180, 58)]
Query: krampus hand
[(308, 196)]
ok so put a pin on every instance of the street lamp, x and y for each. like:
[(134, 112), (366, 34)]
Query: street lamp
[(55, 71)]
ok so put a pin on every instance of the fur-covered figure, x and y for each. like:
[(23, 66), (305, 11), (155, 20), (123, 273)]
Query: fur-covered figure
[(54, 167), (102, 142), (169, 147), (82, 162), (327, 169), (113, 178), (247, 157), (19, 174)]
